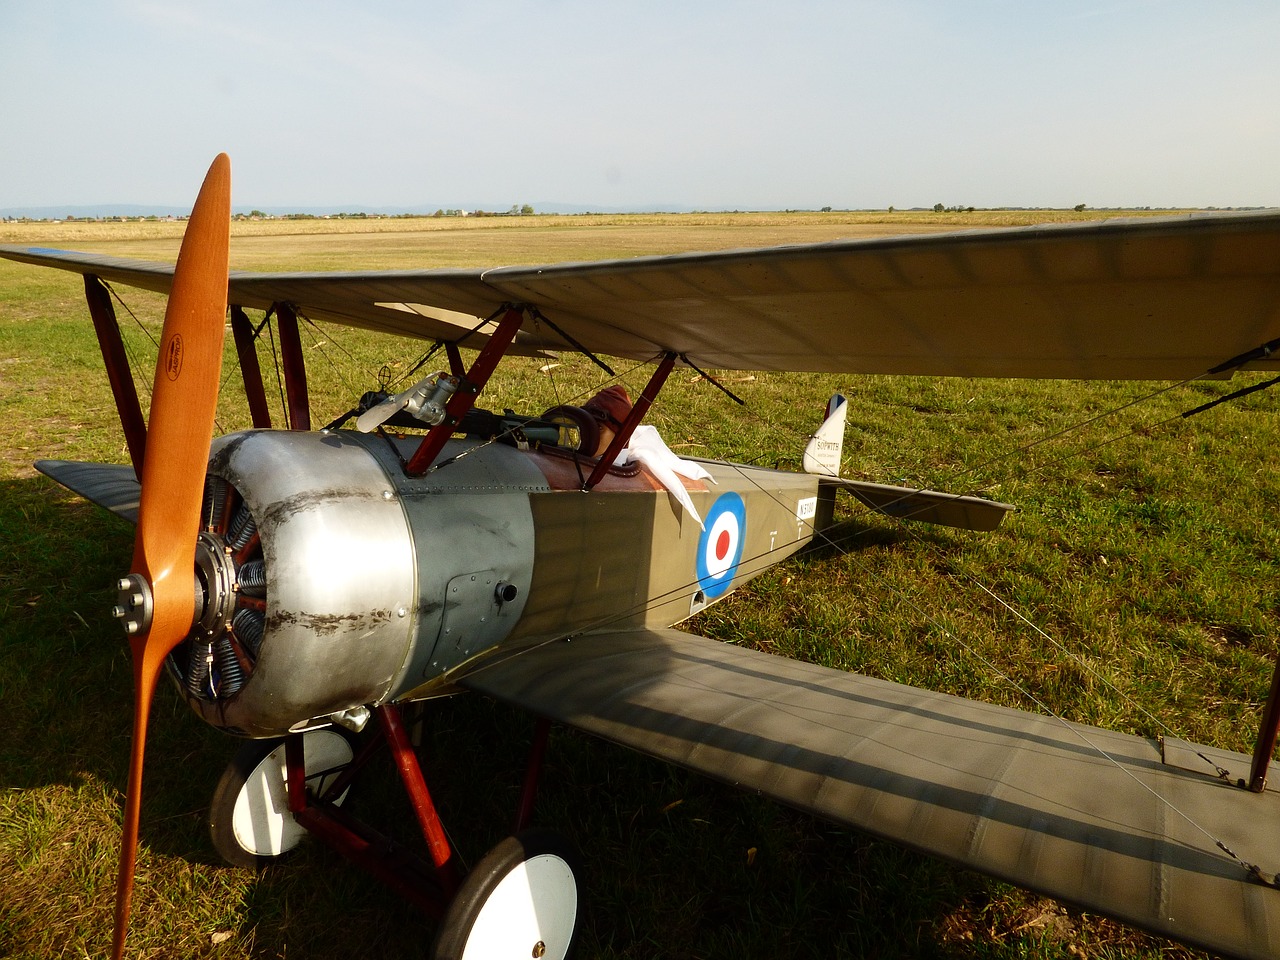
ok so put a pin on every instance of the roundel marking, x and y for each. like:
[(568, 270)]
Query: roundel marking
[(720, 546)]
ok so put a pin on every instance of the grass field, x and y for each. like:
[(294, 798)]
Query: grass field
[(1142, 549)]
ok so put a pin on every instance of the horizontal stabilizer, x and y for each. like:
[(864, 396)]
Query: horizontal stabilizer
[(927, 506), (110, 485), (1085, 815)]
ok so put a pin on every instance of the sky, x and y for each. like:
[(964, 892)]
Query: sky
[(706, 104)]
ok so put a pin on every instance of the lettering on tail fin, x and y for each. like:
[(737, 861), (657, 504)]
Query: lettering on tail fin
[(826, 446)]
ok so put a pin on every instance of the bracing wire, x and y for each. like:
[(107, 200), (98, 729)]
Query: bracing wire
[(150, 336), (317, 345), (589, 391), (1020, 451), (277, 366), (135, 361), (1026, 694)]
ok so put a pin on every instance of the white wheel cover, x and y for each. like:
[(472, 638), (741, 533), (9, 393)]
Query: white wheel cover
[(537, 902), (261, 822)]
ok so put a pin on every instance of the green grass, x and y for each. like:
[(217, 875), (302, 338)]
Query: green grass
[(1142, 549)]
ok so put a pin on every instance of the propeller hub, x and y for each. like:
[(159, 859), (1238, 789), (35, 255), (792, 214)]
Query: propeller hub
[(134, 604), (215, 587)]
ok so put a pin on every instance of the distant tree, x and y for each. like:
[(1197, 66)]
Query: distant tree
[(1079, 208), (938, 208), (826, 209), (526, 210)]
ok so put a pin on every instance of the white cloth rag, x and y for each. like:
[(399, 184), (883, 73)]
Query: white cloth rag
[(647, 448)]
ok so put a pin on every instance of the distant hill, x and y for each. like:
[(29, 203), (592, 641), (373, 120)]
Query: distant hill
[(99, 211)]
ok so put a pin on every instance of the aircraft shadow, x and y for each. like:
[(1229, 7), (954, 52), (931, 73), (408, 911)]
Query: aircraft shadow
[(65, 668), (677, 865)]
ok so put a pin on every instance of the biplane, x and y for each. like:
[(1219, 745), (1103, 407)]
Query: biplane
[(299, 586)]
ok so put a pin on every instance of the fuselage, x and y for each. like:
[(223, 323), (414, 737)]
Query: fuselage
[(378, 586)]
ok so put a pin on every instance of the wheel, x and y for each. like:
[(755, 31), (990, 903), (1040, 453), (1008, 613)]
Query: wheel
[(249, 818), (520, 901)]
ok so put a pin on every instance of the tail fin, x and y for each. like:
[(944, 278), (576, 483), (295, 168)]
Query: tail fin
[(822, 456)]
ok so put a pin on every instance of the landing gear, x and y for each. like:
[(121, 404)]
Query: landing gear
[(521, 901), (249, 818)]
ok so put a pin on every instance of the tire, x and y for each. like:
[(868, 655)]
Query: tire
[(520, 901), (249, 819)]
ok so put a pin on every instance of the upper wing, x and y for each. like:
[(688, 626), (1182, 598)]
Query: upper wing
[(1081, 814), (374, 300), (1163, 298), (1147, 298)]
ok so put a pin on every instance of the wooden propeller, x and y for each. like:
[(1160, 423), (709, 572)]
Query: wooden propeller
[(157, 599)]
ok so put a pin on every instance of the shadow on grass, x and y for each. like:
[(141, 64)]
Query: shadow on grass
[(852, 535), (676, 865), (65, 670)]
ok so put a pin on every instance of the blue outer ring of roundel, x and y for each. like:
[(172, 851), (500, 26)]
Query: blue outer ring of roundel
[(713, 585)]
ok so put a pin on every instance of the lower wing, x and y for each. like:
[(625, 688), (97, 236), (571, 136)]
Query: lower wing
[(1104, 820), (110, 485)]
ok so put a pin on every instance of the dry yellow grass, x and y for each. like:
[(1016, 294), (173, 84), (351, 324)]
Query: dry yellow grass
[(667, 878), (424, 242), (875, 221)]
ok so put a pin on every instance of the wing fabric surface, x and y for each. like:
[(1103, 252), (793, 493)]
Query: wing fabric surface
[(109, 485), (1023, 797), (1140, 299), (352, 299), (1148, 298), (143, 274), (926, 506)]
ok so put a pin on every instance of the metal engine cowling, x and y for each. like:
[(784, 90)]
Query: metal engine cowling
[(324, 592), (327, 580)]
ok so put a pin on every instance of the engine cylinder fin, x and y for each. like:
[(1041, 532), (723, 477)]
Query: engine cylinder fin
[(248, 626), (228, 675), (215, 503), (252, 578), (217, 658), (243, 527), (199, 664)]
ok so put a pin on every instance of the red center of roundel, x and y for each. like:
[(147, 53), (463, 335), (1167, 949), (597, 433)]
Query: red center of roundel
[(722, 545)]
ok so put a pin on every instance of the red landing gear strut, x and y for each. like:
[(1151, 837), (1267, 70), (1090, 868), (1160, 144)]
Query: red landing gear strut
[(428, 886), (521, 899)]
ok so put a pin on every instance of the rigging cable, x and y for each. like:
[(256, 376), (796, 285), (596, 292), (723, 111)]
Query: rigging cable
[(276, 363), (1252, 869)]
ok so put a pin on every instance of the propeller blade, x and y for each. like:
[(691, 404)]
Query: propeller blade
[(158, 599)]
